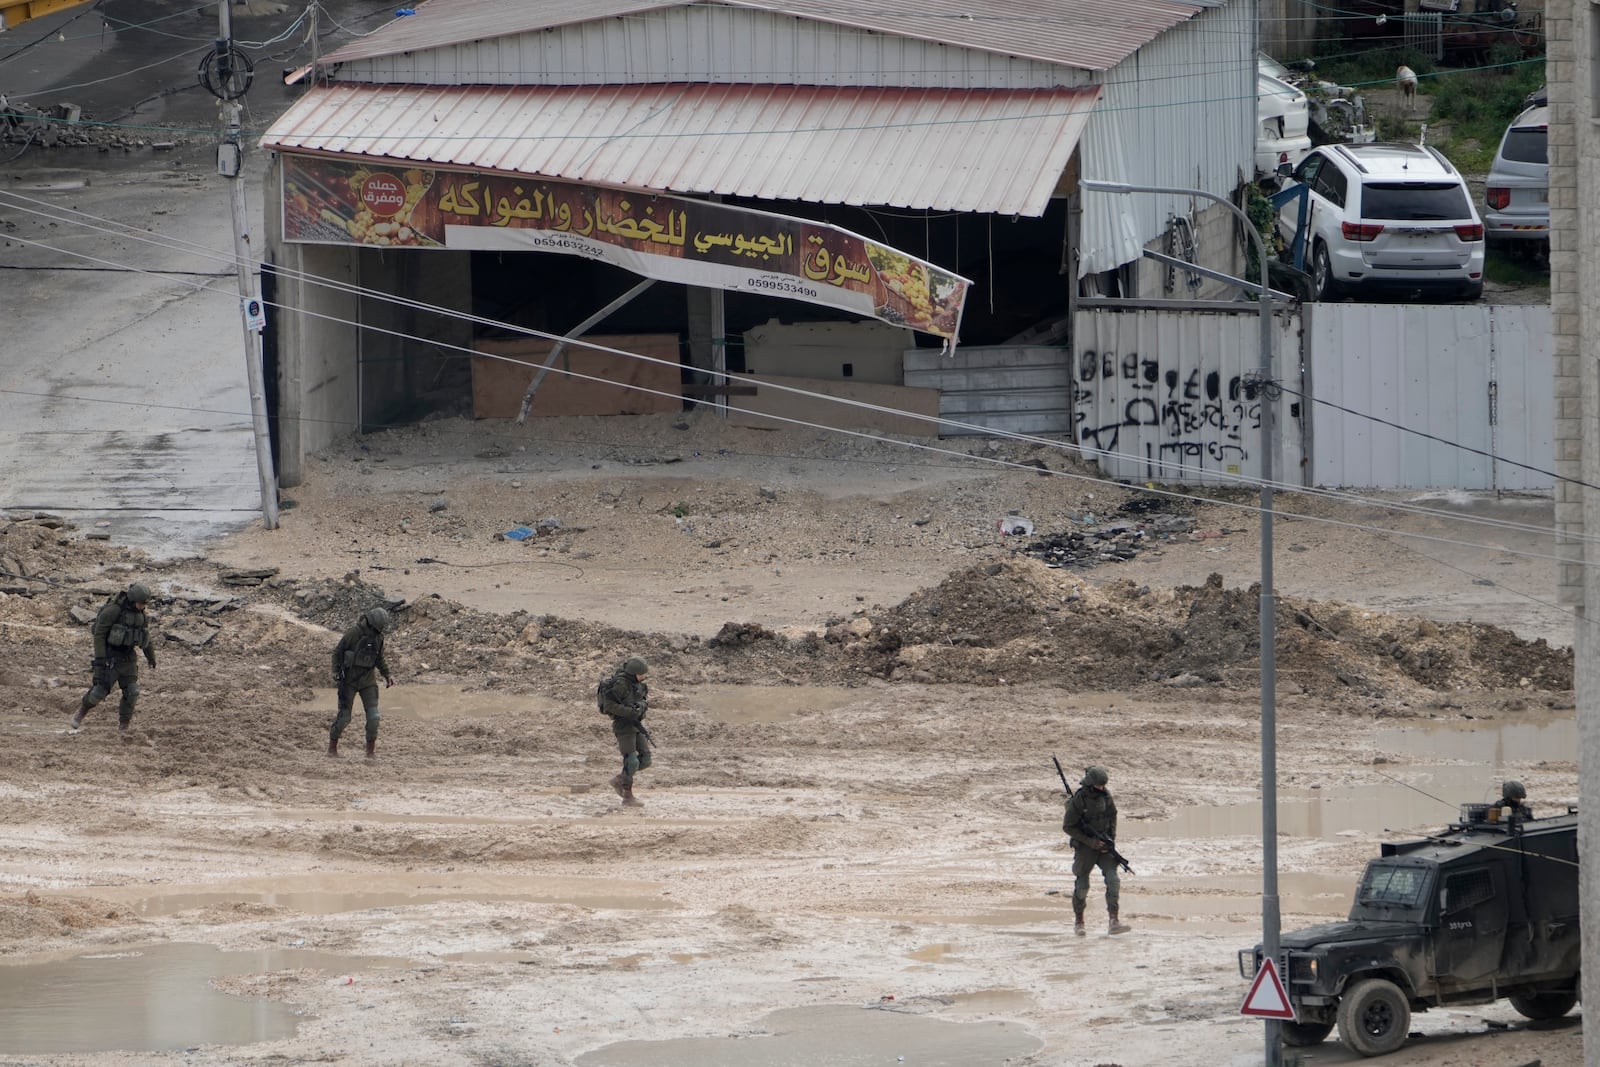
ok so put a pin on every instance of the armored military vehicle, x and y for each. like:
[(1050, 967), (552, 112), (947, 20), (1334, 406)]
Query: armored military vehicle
[(1487, 908)]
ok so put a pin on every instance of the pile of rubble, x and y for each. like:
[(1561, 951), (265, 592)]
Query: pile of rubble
[(1142, 521)]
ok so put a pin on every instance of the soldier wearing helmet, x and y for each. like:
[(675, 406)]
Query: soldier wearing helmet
[(625, 698), (357, 663), (120, 630), (1514, 799), (1091, 823)]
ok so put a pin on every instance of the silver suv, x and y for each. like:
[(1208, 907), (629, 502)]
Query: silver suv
[(1517, 195), (1385, 217)]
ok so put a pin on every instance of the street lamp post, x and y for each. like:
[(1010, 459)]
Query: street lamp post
[(1270, 919)]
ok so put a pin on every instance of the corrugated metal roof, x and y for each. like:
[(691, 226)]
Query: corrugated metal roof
[(998, 150), (1090, 34)]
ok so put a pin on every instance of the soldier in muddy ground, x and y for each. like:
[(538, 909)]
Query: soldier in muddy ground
[(1091, 824), (121, 631), (625, 697), (358, 662)]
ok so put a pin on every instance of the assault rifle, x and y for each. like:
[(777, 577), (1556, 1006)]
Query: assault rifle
[(1111, 846)]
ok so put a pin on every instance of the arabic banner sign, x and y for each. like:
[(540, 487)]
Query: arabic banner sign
[(670, 238)]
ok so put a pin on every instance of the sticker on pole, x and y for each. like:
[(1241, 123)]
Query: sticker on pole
[(1266, 999), (255, 315)]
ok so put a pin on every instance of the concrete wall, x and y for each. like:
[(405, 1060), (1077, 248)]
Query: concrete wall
[(405, 351), (1571, 38), (838, 351), (814, 410), (318, 340), (1216, 245), (1291, 28)]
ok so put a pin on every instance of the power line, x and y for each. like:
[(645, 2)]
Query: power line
[(1239, 480)]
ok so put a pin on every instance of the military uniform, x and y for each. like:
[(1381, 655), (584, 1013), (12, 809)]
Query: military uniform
[(121, 630), (1091, 810), (357, 664), (626, 698), (1514, 801)]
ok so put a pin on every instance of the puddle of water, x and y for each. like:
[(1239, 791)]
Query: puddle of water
[(1494, 742), (931, 953), (991, 1002), (838, 1036), (748, 704), (149, 999), (337, 894), (443, 702), (1332, 813)]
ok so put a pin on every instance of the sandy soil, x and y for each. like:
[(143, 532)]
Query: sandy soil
[(851, 848)]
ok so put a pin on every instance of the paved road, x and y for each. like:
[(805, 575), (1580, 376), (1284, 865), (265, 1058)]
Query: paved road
[(122, 369)]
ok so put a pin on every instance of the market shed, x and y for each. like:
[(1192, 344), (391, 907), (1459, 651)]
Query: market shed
[(738, 185)]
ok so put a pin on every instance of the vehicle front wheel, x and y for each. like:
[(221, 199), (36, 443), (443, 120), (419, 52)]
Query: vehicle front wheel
[(1304, 1035), (1374, 1017), (1322, 280), (1539, 1006)]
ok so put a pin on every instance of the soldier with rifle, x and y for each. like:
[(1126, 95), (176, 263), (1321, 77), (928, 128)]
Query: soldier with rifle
[(1091, 822), (625, 698)]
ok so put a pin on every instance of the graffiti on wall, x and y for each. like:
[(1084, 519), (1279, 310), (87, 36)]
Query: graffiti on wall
[(1129, 404)]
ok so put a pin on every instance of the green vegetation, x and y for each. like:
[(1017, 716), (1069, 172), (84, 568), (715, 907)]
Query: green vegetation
[(1471, 107), (1509, 268)]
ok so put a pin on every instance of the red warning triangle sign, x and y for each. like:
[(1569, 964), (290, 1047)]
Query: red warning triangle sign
[(1266, 999)]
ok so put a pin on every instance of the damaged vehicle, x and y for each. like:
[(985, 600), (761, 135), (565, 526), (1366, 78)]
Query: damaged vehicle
[(1335, 114), (1486, 909)]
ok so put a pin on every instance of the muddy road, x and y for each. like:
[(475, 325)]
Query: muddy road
[(851, 848)]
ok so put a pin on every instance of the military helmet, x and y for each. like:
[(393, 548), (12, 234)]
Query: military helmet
[(635, 666), (378, 619), (1095, 776), (138, 593), (1514, 790)]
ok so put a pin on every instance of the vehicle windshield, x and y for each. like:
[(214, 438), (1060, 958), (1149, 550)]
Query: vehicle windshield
[(1414, 201), (1526, 144), (1396, 886)]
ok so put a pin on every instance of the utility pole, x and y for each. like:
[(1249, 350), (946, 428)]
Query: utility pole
[(1266, 391), (226, 73)]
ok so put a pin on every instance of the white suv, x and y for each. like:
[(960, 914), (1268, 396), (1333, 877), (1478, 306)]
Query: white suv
[(1517, 196), (1386, 217)]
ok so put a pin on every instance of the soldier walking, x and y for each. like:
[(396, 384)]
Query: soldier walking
[(625, 697), (357, 663), (1091, 823), (120, 630)]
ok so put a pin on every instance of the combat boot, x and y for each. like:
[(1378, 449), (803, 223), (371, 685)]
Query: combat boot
[(372, 749), (1077, 922), (125, 729), (620, 786), (629, 800), (78, 716), (1117, 926), (333, 747)]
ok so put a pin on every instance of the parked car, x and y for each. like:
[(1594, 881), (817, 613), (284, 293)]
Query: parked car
[(1283, 118), (1385, 217), (1517, 195)]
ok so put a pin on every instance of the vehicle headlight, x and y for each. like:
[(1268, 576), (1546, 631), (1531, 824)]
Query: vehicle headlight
[(1303, 968)]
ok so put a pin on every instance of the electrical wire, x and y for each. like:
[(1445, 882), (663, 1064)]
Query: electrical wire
[(1093, 479), (74, 217)]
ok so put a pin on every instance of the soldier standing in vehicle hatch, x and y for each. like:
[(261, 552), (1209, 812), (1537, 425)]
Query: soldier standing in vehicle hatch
[(1091, 823), (120, 630), (357, 663)]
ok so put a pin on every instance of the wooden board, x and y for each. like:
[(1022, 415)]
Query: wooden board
[(625, 386)]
